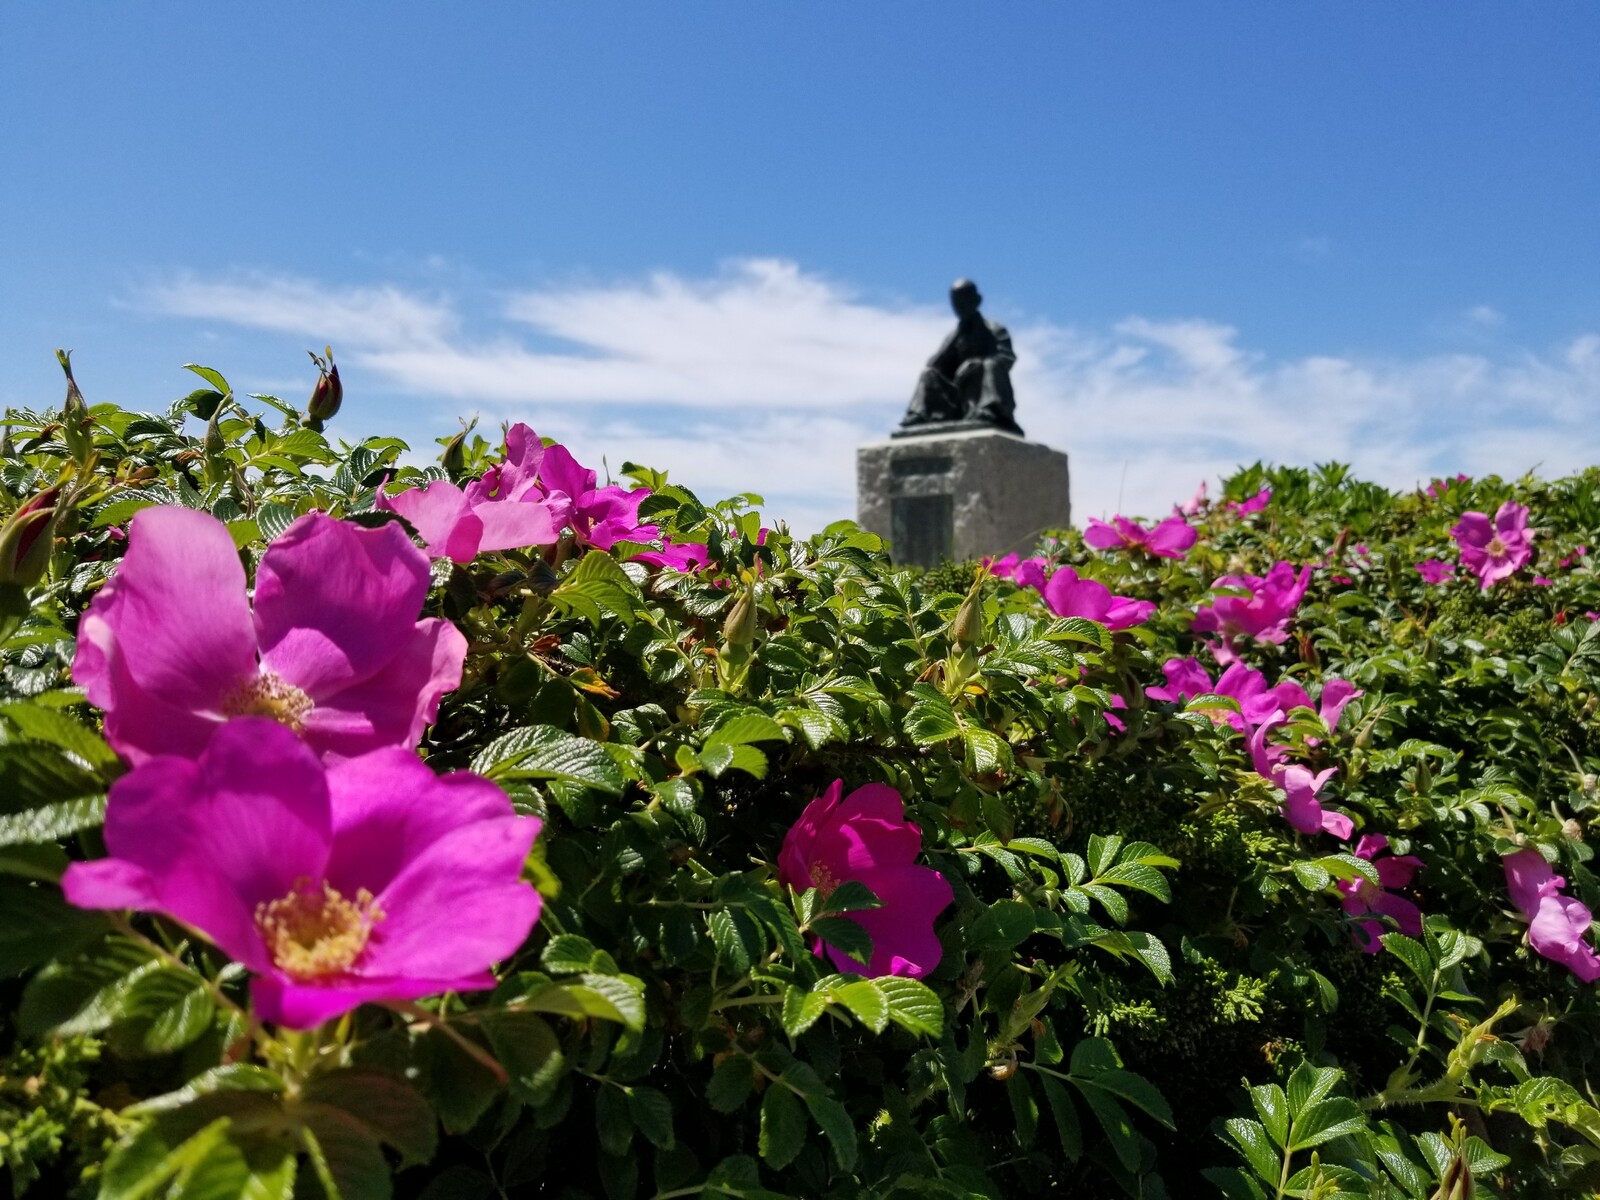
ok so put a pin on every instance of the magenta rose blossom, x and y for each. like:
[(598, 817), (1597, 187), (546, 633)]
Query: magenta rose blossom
[(1435, 570), (1263, 614), (171, 649), (1069, 596), (1494, 550), (1172, 538), (601, 516), (1557, 924), (1255, 504), (1361, 896), (372, 879), (865, 837), (502, 511)]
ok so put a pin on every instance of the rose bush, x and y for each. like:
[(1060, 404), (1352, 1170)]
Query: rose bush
[(485, 829)]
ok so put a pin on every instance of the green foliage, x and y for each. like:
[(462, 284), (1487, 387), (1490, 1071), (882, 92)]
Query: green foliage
[(1134, 929)]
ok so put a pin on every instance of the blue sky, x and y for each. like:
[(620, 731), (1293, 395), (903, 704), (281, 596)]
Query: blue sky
[(716, 237)]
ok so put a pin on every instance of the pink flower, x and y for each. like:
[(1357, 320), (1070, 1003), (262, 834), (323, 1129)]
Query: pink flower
[(1577, 553), (1439, 486), (1302, 809), (1494, 551), (1253, 505), (502, 511), (680, 556), (1263, 614), (1028, 572), (865, 837), (1556, 923), (601, 516), (367, 880), (1069, 596), (1435, 570), (1193, 505), (1116, 723), (1541, 581), (1170, 539), (171, 650), (1395, 871), (1186, 679)]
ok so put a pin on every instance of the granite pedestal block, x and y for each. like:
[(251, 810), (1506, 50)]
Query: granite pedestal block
[(960, 494)]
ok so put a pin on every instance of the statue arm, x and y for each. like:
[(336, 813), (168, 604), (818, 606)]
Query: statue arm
[(944, 358), (1004, 355)]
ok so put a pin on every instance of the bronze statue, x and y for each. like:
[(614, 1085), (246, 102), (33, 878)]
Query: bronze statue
[(969, 378)]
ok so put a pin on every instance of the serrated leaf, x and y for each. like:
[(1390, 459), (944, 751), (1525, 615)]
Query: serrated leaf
[(1324, 1121), (733, 1078), (1065, 1115), (846, 936), (545, 752), (931, 719), (596, 588), (1311, 876), (1251, 1140), (801, 1009), (161, 1011), (57, 728), (913, 1005), (1412, 953), (529, 1050), (836, 1126), (51, 822), (866, 1002), (783, 1126), (37, 925), (744, 728), (1272, 1106), (606, 997), (385, 1103), (652, 1115)]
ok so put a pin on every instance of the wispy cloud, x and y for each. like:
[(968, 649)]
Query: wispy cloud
[(764, 378)]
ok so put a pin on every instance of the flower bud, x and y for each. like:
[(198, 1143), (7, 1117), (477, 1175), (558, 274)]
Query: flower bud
[(27, 538), (328, 393), (966, 628), (740, 627)]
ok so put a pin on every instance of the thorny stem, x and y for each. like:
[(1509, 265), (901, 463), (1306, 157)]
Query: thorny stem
[(417, 1013)]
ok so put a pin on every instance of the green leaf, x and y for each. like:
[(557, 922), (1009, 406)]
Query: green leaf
[(345, 1156), (83, 994), (913, 1005), (569, 954), (613, 1122), (732, 1080), (215, 378), (37, 924), (737, 939), (1324, 1121), (545, 752), (1252, 1142), (1002, 925), (385, 1103), (51, 725), (836, 1125), (1411, 952), (1311, 877), (931, 718), (596, 588), (529, 1050), (1273, 1108), (607, 997), (1115, 1121), (801, 1009), (1066, 1118), (51, 822), (850, 896), (1138, 1091), (161, 1011), (846, 936), (652, 1115), (746, 727), (870, 1006), (783, 1126)]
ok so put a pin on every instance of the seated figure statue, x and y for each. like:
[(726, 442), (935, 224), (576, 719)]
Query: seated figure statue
[(969, 377)]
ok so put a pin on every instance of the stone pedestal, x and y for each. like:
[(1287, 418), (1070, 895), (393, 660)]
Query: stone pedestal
[(959, 494)]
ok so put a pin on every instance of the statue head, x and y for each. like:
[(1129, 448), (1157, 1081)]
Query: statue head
[(964, 298)]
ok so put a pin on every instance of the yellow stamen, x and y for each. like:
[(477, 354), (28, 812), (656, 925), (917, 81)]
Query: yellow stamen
[(314, 932), (267, 695), (1495, 548), (823, 880)]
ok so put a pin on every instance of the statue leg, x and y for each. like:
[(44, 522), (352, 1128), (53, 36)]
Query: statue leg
[(994, 402), (935, 399)]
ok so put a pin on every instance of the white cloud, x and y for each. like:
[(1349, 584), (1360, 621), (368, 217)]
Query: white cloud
[(765, 378)]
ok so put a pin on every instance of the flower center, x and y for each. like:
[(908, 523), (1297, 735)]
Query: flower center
[(314, 932), (823, 880), (1496, 547), (267, 695)]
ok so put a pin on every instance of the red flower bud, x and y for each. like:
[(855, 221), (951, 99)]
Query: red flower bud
[(328, 393), (27, 538)]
